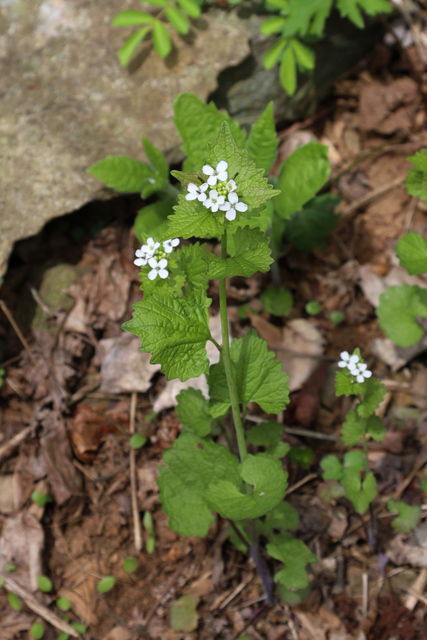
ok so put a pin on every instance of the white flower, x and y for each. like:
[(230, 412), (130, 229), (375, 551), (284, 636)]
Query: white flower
[(214, 201), (150, 248), (158, 268), (232, 206), (348, 361), (197, 192), (220, 173), (168, 245), (141, 258), (231, 186), (361, 372)]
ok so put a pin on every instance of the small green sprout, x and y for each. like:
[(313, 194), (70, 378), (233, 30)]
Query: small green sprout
[(63, 604), (37, 631), (137, 441), (44, 584), (312, 308), (130, 565), (106, 584)]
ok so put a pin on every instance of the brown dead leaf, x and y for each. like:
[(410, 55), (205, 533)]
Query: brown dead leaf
[(125, 368), (413, 551), (80, 584), (88, 429), (21, 543), (13, 624), (6, 494), (300, 338), (64, 479), (118, 633), (389, 108)]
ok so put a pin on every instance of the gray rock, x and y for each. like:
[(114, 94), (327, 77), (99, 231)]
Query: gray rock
[(66, 102)]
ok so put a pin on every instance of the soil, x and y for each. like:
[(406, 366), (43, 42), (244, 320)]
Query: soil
[(75, 432)]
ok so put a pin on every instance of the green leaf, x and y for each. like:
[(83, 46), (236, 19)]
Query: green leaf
[(252, 254), (9, 568), (184, 616), (130, 45), (79, 627), (63, 604), (355, 426), (303, 456), (156, 158), (44, 584), (268, 434), (416, 181), (130, 565), (312, 307), (408, 518), (152, 220), (132, 18), (332, 469), (198, 124), (336, 317), (178, 20), (137, 441), (305, 56), (310, 226), (360, 492), (269, 482), (306, 17), (424, 485), (192, 410), (288, 72), (192, 219), (161, 40), (14, 601), (412, 253), (354, 461), (175, 330), (397, 312), (277, 301), (295, 556), (41, 499), (192, 465), (374, 392), (301, 176), (191, 261), (273, 24), (156, 3), (121, 173), (106, 584), (274, 55), (259, 376), (190, 7), (284, 517), (263, 141), (350, 9), (37, 631)]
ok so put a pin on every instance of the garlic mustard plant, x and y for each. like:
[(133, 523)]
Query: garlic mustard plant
[(243, 482), (354, 475)]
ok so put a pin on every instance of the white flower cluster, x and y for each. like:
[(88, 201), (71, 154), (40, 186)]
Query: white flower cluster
[(216, 198), (153, 254), (356, 368)]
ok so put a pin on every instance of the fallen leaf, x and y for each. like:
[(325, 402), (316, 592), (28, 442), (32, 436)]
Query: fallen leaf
[(300, 338), (184, 615), (21, 543), (6, 494), (88, 429), (125, 368)]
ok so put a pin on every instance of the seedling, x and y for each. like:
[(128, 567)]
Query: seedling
[(106, 584)]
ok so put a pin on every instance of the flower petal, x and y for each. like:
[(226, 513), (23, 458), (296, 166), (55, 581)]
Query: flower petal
[(225, 207), (212, 181), (231, 186), (152, 275), (221, 166), (163, 273), (175, 242), (344, 355), (192, 188), (223, 176), (153, 263), (241, 206), (367, 374), (342, 364), (201, 197), (214, 208), (203, 187), (230, 215), (360, 378), (191, 196), (163, 263), (362, 366), (233, 197), (208, 170)]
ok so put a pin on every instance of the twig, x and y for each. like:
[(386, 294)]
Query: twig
[(9, 447), (38, 608), (365, 594), (132, 470), (234, 594), (296, 431), (299, 484), (416, 591), (25, 344), (252, 619), (369, 197)]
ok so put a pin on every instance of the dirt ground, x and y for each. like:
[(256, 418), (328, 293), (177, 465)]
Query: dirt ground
[(65, 409)]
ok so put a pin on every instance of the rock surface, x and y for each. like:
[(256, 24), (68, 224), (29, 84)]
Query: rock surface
[(67, 103)]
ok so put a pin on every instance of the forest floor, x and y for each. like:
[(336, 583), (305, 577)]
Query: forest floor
[(65, 423)]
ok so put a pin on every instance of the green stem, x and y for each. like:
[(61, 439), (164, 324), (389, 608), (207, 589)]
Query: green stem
[(231, 382)]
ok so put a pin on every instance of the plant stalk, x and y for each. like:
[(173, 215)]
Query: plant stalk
[(231, 382)]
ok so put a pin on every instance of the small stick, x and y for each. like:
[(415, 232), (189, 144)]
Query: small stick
[(365, 594), (9, 447), (135, 511), (416, 591), (165, 591), (369, 197), (25, 344), (297, 485), (38, 608)]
